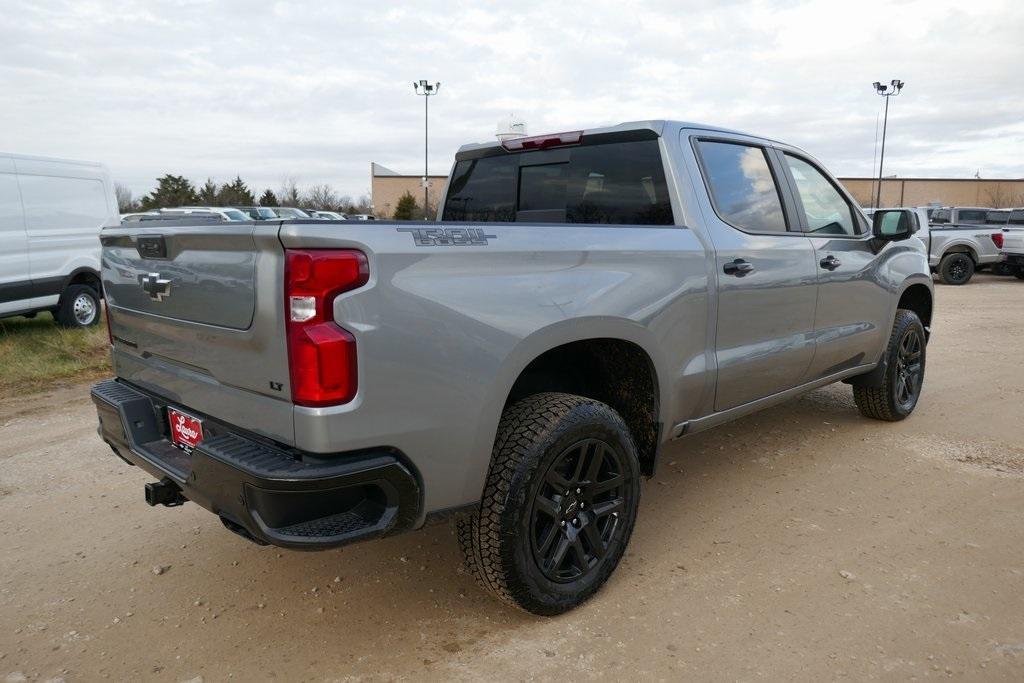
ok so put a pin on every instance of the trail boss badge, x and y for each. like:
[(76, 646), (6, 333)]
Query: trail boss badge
[(448, 237)]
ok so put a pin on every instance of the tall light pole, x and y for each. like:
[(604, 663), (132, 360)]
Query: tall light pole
[(426, 89), (885, 91)]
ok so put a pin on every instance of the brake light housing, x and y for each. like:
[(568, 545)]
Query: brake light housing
[(321, 354), (997, 237), (574, 137)]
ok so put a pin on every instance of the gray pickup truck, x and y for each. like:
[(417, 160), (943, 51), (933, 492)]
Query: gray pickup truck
[(586, 298), (961, 240)]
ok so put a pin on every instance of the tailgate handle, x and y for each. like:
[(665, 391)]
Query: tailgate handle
[(151, 246)]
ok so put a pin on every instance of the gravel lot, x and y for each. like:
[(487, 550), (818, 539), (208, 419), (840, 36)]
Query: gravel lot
[(803, 543)]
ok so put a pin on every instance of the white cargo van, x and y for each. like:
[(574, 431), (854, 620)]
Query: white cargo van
[(51, 214)]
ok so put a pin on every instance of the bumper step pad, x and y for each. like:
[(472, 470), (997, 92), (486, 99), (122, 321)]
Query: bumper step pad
[(267, 491)]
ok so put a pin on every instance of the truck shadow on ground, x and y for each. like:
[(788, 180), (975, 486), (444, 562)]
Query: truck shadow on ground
[(413, 583)]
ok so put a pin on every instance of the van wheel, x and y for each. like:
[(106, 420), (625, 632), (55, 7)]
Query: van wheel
[(79, 307), (956, 269), (900, 389), (559, 503)]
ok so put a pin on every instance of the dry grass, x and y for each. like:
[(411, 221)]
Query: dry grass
[(35, 354)]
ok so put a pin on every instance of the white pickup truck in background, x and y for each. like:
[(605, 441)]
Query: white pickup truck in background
[(1012, 250), (956, 249)]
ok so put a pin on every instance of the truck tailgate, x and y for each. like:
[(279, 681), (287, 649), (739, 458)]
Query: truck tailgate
[(196, 316), (1013, 240)]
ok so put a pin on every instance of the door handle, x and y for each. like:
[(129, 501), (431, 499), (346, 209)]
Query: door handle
[(830, 262), (739, 268)]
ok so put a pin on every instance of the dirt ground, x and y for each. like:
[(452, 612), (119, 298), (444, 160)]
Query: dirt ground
[(803, 543)]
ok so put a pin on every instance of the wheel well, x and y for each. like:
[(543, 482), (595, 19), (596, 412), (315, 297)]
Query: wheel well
[(612, 371), (918, 298), (87, 278), (961, 249)]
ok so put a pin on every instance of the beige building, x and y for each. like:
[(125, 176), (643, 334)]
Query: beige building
[(940, 191), (387, 186)]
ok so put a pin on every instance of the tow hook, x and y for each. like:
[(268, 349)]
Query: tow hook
[(164, 492)]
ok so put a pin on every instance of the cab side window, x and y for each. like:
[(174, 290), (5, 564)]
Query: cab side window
[(742, 186), (826, 210)]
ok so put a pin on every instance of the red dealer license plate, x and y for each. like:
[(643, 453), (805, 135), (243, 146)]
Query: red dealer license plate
[(186, 431)]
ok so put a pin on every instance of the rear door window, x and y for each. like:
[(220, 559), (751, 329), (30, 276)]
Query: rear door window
[(940, 216), (742, 186), (619, 183), (971, 215)]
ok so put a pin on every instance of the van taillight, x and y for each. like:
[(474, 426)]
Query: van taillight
[(997, 237), (321, 355)]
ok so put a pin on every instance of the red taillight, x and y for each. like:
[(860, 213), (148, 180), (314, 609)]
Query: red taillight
[(544, 141), (321, 355), (997, 237)]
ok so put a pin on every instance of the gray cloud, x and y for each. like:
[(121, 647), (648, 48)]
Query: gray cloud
[(318, 90)]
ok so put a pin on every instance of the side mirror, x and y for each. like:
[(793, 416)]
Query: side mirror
[(893, 225)]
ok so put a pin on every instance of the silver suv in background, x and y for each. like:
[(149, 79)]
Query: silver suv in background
[(587, 298)]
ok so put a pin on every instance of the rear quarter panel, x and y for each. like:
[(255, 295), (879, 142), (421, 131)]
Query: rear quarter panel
[(443, 331)]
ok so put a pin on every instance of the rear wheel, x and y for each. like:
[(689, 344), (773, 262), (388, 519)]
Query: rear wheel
[(79, 307), (559, 503), (1019, 273), (956, 269), (896, 397)]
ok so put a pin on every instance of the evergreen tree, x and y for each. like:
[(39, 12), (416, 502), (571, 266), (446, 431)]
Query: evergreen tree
[(268, 198), (171, 191), (208, 193), (407, 209), (235, 193)]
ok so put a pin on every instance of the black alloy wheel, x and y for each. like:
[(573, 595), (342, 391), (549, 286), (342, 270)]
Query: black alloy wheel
[(576, 510)]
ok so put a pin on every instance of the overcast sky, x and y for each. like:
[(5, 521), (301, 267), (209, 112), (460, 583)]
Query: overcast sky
[(318, 90)]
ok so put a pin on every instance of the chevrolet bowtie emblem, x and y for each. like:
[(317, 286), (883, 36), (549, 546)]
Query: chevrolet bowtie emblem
[(155, 286)]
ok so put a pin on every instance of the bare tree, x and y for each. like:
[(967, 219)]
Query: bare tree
[(361, 205), (126, 203), (1001, 197), (289, 195), (321, 197)]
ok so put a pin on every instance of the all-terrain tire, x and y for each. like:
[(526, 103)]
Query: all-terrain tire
[(887, 401), (956, 269), (542, 442), (79, 307)]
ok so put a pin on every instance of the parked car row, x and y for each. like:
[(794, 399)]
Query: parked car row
[(246, 213), (964, 239)]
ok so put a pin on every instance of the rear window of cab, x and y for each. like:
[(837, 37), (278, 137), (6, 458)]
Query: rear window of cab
[(620, 183)]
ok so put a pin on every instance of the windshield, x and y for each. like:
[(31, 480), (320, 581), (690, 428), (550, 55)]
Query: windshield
[(236, 215)]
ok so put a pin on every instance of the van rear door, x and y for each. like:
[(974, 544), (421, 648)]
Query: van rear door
[(15, 280)]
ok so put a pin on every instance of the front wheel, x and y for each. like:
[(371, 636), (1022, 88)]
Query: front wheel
[(559, 503), (900, 389), (1019, 272)]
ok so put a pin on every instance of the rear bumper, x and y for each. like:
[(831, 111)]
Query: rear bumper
[(259, 490)]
